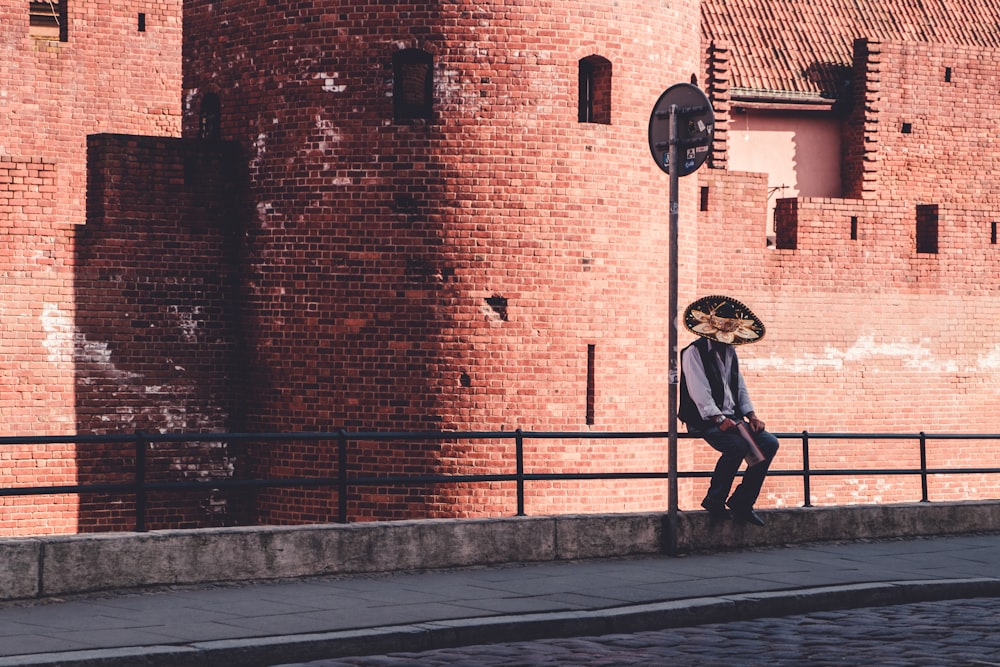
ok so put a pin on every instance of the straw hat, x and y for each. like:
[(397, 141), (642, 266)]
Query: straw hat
[(723, 319)]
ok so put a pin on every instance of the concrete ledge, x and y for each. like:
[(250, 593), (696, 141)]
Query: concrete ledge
[(19, 563), (83, 563), (65, 565), (695, 533)]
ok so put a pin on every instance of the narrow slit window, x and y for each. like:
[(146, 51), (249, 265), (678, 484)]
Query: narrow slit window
[(854, 228), (412, 85), (47, 19), (210, 118), (591, 392), (704, 198), (142, 22), (595, 90), (993, 233), (927, 228)]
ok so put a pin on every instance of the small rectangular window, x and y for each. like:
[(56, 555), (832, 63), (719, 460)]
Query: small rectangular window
[(993, 233), (142, 22), (412, 85), (47, 19), (594, 90), (704, 198), (927, 228), (854, 228)]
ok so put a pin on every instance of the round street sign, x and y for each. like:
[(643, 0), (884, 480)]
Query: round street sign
[(695, 127)]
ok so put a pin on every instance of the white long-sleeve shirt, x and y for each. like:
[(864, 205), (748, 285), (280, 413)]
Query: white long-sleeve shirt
[(701, 392)]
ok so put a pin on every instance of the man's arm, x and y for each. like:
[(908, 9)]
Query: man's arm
[(697, 385), (743, 401), (746, 407)]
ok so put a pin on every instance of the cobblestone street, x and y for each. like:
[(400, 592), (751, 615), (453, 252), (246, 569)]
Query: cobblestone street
[(951, 633), (880, 603)]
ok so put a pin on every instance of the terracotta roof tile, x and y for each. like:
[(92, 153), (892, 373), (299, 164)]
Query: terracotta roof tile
[(803, 48)]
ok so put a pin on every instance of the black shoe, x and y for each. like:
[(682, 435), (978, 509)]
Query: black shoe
[(747, 515), (717, 511)]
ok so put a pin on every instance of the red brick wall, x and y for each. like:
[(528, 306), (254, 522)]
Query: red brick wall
[(867, 334), (107, 76), (36, 299), (157, 292), (451, 273), (36, 345), (376, 246), (950, 149)]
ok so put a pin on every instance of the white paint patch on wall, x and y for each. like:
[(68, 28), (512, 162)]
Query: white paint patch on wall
[(853, 491), (449, 89), (330, 84), (264, 211), (914, 356), (59, 330), (991, 360), (94, 357), (188, 321), (330, 133), (260, 145)]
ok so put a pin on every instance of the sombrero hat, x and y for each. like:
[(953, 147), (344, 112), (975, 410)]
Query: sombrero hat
[(723, 319)]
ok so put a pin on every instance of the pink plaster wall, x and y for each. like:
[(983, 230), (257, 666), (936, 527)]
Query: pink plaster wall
[(800, 153)]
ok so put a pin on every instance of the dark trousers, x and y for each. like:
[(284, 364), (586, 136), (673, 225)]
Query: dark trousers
[(732, 447)]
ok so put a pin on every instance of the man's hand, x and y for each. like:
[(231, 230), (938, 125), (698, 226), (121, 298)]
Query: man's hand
[(756, 425), (726, 424)]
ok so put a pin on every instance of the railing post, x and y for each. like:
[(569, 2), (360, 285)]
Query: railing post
[(141, 443), (519, 456), (923, 468), (342, 476), (805, 470)]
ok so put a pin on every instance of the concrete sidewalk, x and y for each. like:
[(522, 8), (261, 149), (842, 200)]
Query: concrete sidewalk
[(294, 621)]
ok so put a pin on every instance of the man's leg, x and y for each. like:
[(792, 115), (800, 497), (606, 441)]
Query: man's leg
[(746, 493), (731, 447)]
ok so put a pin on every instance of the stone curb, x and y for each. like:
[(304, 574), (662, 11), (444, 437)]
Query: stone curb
[(56, 566), (268, 651)]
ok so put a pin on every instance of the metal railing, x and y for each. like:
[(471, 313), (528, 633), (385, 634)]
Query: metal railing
[(345, 479)]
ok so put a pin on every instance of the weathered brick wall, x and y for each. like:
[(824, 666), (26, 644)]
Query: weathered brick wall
[(36, 350), (865, 334), (451, 273), (934, 132), (500, 265), (157, 301), (107, 77)]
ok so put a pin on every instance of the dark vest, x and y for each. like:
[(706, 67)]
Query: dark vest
[(687, 412)]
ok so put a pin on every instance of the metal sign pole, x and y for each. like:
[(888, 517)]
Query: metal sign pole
[(681, 102), (674, 157)]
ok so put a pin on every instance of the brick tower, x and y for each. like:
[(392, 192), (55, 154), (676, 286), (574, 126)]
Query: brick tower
[(453, 222)]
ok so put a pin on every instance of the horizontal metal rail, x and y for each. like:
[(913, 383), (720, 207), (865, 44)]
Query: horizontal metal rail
[(345, 479)]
